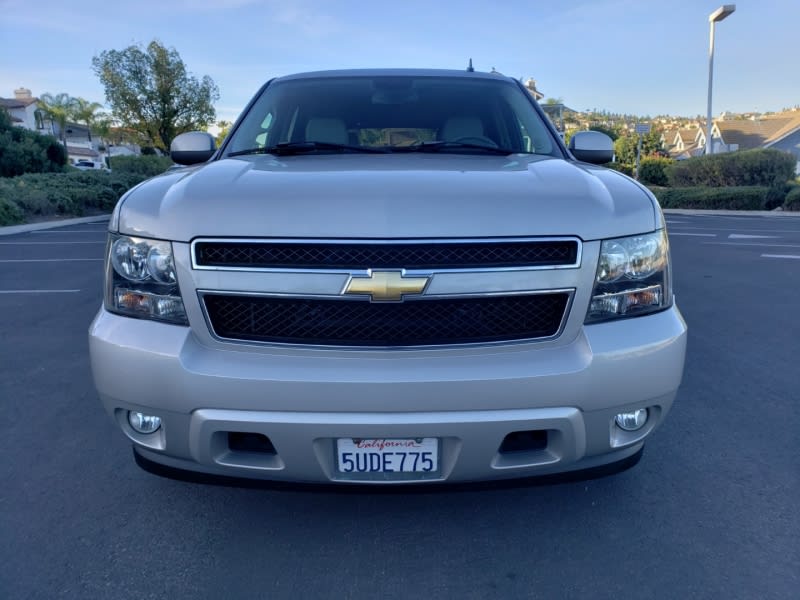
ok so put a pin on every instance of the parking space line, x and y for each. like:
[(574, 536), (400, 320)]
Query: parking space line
[(57, 231), (757, 245), (37, 260), (797, 256), (671, 233), (723, 229), (38, 291), (46, 243), (744, 236)]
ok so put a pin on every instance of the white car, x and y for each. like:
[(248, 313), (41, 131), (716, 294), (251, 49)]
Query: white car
[(388, 277)]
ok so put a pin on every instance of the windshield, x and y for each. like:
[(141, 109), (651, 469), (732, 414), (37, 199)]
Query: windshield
[(392, 114)]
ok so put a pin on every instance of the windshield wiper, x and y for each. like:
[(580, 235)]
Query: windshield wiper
[(290, 148), (439, 145)]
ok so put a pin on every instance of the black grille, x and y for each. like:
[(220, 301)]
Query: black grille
[(364, 323), (401, 255)]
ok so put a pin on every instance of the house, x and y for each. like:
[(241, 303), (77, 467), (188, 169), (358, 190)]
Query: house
[(530, 85), (780, 131), (685, 143), (23, 109)]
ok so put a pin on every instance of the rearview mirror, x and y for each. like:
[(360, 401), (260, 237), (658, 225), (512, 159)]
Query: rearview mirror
[(592, 147), (192, 148)]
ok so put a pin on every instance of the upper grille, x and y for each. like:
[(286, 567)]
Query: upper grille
[(399, 255), (362, 323)]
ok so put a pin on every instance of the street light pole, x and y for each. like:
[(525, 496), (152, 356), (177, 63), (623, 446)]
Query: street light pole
[(718, 15)]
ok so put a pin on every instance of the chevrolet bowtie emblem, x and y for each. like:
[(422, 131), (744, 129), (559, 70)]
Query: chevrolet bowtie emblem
[(386, 286)]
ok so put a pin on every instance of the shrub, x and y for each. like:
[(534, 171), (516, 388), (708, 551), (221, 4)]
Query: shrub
[(621, 167), (766, 167), (776, 195), (10, 213), (147, 166), (23, 151), (792, 201), (72, 193), (653, 170), (727, 198)]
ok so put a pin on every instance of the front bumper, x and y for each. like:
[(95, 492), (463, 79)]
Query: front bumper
[(470, 399)]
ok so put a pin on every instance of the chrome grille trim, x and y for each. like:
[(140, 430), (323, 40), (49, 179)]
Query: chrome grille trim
[(405, 241)]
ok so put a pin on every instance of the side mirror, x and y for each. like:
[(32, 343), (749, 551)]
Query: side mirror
[(592, 147), (192, 148)]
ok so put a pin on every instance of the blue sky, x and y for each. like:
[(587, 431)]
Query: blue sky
[(641, 57)]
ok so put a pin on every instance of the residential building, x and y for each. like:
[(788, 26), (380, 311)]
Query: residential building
[(780, 131), (23, 109)]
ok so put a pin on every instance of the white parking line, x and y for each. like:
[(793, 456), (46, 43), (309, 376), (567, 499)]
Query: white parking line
[(756, 244), (723, 229), (671, 233), (37, 260), (45, 243), (797, 256), (38, 291), (743, 236), (56, 231)]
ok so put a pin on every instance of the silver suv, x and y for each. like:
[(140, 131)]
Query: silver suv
[(388, 277)]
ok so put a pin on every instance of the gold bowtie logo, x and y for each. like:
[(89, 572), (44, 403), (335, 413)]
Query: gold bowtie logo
[(386, 286)]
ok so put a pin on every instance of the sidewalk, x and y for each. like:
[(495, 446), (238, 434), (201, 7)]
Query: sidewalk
[(12, 229), (740, 213)]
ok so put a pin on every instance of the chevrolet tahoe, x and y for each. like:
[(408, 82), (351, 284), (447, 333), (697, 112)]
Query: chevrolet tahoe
[(388, 277)]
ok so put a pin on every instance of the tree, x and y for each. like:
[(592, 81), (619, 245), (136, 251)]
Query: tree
[(85, 113), (150, 91), (553, 101), (625, 146), (608, 131), (59, 110), (224, 128)]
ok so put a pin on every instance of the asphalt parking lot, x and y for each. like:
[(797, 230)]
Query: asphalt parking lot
[(709, 512)]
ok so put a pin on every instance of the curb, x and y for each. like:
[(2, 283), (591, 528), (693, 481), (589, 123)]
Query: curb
[(738, 213), (12, 229)]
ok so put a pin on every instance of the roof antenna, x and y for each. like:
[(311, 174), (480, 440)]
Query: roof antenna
[(470, 68)]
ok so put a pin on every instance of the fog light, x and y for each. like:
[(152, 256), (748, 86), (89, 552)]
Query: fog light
[(143, 423), (632, 421)]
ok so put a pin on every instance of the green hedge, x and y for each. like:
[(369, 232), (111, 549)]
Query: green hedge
[(10, 213), (146, 166), (621, 167), (766, 167), (792, 201), (23, 151), (653, 170), (74, 193), (727, 198), (49, 194)]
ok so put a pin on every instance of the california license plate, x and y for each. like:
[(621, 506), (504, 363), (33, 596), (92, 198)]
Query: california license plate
[(379, 457)]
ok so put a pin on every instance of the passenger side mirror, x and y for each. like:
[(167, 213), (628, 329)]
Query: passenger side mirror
[(192, 148), (592, 147)]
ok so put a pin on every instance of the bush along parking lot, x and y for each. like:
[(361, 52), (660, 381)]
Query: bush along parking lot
[(745, 180), (36, 196)]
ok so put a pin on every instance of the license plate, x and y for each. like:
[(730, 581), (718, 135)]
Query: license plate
[(379, 457)]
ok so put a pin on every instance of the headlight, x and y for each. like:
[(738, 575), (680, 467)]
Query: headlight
[(141, 280), (632, 277)]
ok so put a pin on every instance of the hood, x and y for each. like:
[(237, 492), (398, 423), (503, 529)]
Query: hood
[(389, 196)]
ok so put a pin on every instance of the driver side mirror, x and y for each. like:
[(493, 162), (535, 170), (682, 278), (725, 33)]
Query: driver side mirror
[(592, 147), (192, 148)]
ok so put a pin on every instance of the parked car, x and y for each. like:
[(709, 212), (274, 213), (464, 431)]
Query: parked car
[(88, 165), (388, 277)]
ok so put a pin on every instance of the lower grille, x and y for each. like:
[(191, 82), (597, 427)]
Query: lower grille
[(363, 323)]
